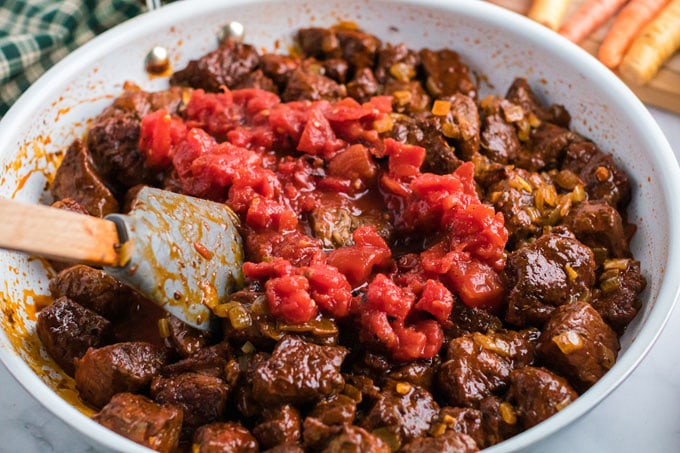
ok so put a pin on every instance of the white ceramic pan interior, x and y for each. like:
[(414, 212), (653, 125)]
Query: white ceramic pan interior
[(497, 44)]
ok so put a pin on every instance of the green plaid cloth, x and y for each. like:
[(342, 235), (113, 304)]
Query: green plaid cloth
[(35, 34)]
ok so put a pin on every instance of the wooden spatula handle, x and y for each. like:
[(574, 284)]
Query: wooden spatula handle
[(57, 234)]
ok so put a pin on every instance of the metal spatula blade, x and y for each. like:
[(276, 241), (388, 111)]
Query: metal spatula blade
[(183, 253)]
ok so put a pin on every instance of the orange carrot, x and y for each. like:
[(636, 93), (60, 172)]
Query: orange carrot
[(548, 12), (588, 17), (657, 42), (632, 18)]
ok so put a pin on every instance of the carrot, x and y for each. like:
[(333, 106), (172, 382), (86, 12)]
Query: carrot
[(588, 17), (632, 18), (548, 12), (657, 42)]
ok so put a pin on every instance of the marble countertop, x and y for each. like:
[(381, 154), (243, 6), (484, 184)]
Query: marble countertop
[(641, 415)]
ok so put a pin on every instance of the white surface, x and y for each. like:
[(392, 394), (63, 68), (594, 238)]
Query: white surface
[(641, 415)]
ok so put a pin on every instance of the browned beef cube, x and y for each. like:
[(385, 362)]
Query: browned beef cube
[(186, 340), (202, 397), (224, 437), (278, 67), (358, 48), (257, 79), (298, 372), (420, 373), (499, 420), (319, 42), (617, 299), (226, 66), (599, 225), (211, 360), (280, 426), (536, 394), (578, 344), (546, 147), (77, 179), (604, 179), (336, 410), (555, 269), (246, 403), (336, 69), (94, 289), (141, 420), (308, 83), (450, 441), (68, 329), (498, 138), (406, 411), (120, 367), (520, 93), (462, 420), (467, 320), (286, 448), (445, 74), (363, 86), (113, 137), (398, 62), (353, 439), (478, 365), (462, 125), (407, 96)]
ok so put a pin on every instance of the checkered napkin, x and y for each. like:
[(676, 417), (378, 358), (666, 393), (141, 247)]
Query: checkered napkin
[(35, 34)]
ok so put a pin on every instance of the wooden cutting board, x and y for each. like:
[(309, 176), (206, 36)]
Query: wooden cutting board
[(662, 91)]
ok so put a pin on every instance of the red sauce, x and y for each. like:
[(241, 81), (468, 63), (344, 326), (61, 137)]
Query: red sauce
[(274, 163)]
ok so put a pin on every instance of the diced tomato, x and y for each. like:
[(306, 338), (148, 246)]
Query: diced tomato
[(264, 214), (288, 121), (355, 162), (159, 133), (480, 231), (329, 289), (289, 299), (437, 300), (478, 285), (421, 340), (317, 137), (346, 110), (376, 328), (358, 261), (278, 267), (384, 295), (404, 159)]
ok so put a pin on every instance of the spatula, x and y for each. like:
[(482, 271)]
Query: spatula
[(183, 253)]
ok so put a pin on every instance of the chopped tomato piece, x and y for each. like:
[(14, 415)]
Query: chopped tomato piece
[(289, 299)]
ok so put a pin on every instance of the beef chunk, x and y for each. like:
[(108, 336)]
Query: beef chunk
[(446, 75), (201, 397), (363, 86), (358, 48), (335, 410), (479, 365), (537, 393), (211, 360), (286, 448), (353, 439), (120, 367), (280, 426), (68, 329), (249, 297), (554, 270), (515, 202), (336, 69), (498, 138), (186, 340), (332, 225), (617, 299), (229, 437), (520, 93), (278, 67), (93, 289), (406, 411), (465, 320), (407, 96), (604, 179), (546, 147), (226, 66), (420, 373), (69, 204), (246, 403), (136, 417), (578, 344), (499, 420), (462, 420), (77, 179), (308, 83), (319, 42), (114, 136), (298, 372), (397, 62), (257, 79), (599, 225), (450, 441), (462, 125)]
